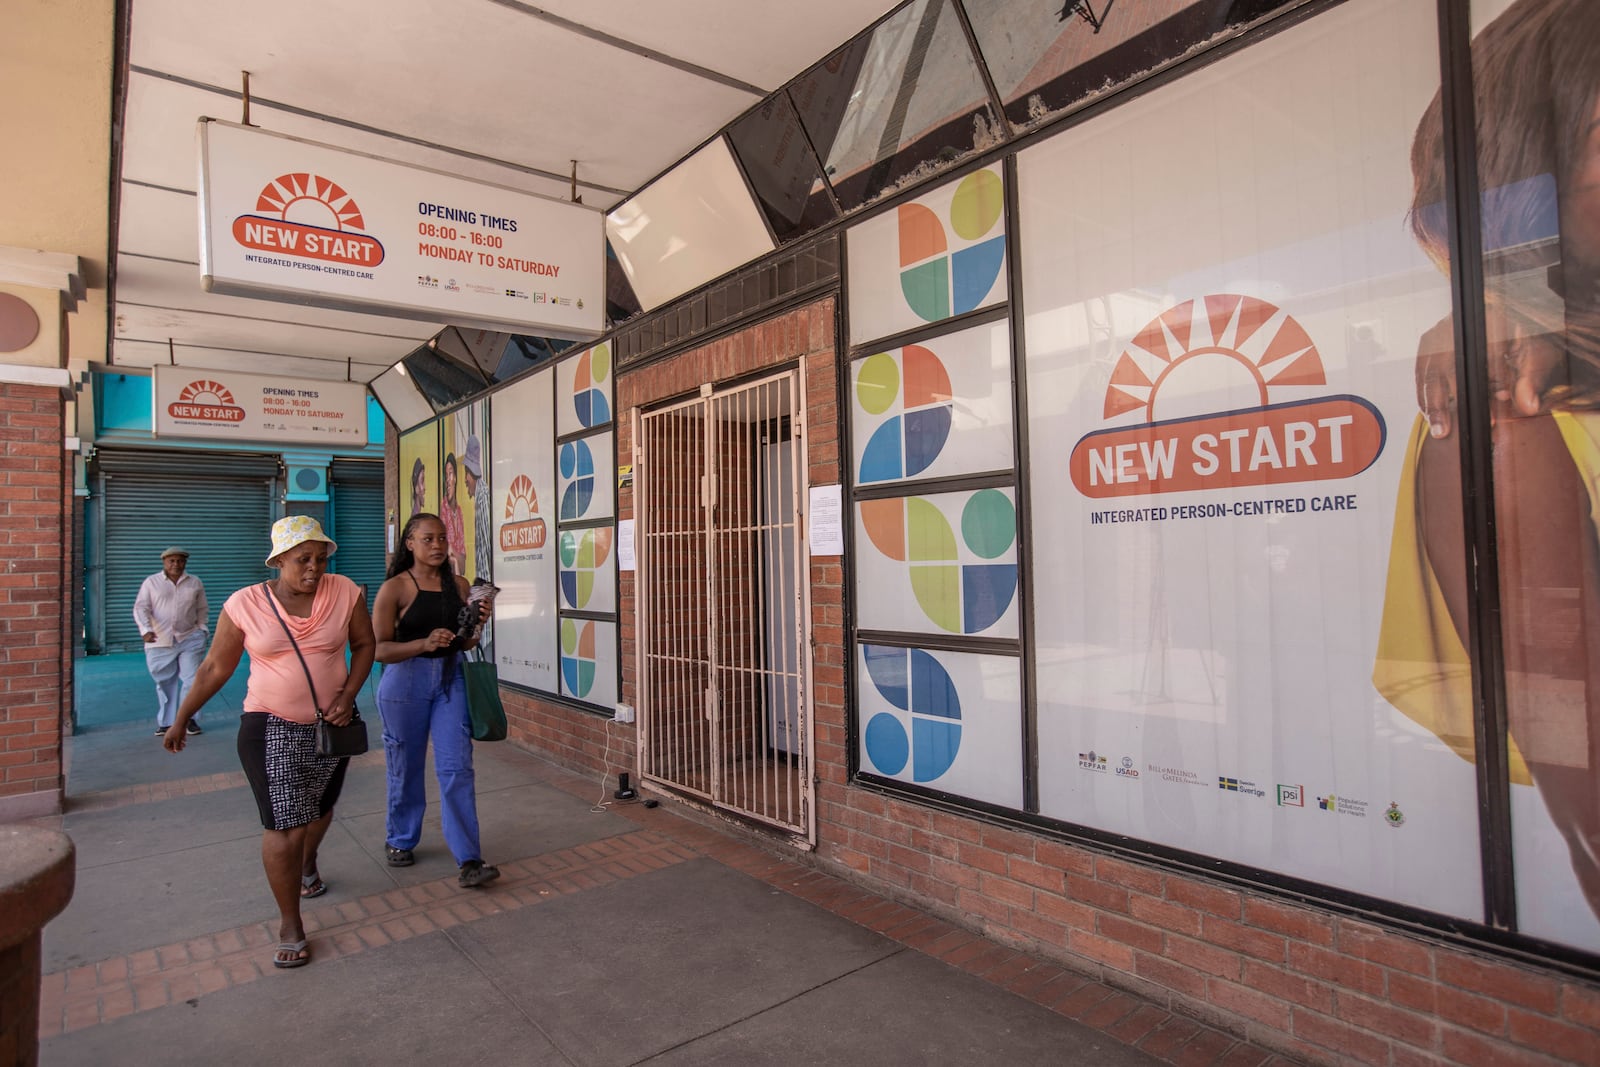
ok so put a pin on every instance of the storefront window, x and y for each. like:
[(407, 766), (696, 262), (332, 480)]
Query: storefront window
[(897, 104), (1049, 56), (1536, 69), (1223, 308)]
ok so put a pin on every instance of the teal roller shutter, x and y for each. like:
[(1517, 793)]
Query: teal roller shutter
[(218, 507), (355, 507)]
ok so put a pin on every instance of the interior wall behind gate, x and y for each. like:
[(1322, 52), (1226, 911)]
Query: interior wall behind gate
[(578, 737)]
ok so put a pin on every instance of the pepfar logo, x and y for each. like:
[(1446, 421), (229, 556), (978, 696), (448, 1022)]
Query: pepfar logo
[(206, 401), (522, 528), (1233, 345), (309, 217)]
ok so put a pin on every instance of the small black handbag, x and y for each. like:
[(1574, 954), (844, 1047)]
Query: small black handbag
[(332, 741)]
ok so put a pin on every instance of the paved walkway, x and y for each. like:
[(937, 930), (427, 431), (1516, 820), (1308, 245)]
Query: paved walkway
[(617, 935)]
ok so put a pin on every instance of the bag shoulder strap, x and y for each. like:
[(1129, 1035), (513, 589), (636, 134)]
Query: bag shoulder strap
[(266, 590)]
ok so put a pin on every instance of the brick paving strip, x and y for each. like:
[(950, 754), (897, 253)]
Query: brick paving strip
[(100, 992), (152, 978)]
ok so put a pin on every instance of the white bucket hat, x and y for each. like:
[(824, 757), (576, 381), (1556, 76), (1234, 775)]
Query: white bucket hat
[(291, 530)]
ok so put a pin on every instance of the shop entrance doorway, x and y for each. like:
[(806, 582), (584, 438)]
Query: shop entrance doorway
[(724, 602)]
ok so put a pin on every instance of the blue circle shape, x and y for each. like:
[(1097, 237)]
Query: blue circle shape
[(888, 747)]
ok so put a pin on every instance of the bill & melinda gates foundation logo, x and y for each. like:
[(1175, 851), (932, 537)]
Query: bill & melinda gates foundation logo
[(308, 217), (1199, 348), (206, 401), (523, 528)]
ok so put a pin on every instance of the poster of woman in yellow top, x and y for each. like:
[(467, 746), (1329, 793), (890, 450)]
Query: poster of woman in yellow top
[(1536, 69)]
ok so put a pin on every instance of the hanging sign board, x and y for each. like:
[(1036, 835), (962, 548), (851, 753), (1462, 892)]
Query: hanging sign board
[(224, 406), (291, 220)]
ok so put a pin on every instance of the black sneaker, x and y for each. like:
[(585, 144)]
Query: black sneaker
[(161, 731), (475, 873), (400, 857), (193, 728)]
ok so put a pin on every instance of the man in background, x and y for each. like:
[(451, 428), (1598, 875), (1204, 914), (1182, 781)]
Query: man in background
[(171, 612)]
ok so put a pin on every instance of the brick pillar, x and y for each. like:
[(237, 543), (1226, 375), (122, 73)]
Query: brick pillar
[(35, 599), (38, 869)]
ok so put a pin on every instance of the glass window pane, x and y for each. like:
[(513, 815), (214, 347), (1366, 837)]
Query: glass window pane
[(782, 169), (1536, 65), (621, 303), (1047, 56), (902, 101), (444, 380), (1223, 313)]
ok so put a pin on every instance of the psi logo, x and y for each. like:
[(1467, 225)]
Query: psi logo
[(1230, 352), (309, 217)]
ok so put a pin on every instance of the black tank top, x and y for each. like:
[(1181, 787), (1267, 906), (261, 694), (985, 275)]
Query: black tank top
[(422, 617)]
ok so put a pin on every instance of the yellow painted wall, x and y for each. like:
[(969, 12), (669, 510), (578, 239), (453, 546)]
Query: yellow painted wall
[(56, 59)]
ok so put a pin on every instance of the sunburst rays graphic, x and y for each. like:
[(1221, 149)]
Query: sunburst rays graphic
[(296, 193), (204, 390), (1226, 338), (522, 492)]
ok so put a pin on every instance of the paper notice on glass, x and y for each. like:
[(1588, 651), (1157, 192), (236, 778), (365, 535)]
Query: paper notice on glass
[(625, 559), (825, 526)]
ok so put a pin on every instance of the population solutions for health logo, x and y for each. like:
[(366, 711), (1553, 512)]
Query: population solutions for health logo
[(206, 401), (924, 730), (946, 271), (307, 216), (1232, 345)]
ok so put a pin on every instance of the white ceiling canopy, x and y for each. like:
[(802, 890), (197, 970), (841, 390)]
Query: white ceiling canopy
[(493, 90)]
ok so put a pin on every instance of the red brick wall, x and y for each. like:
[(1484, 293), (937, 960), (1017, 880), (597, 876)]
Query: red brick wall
[(35, 598)]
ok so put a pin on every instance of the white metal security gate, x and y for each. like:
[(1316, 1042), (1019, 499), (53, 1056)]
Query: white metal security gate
[(724, 604)]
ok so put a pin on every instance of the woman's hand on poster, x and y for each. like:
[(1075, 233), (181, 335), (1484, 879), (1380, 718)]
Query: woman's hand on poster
[(1524, 371)]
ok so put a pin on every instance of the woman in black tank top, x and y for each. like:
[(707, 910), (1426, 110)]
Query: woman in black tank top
[(421, 628)]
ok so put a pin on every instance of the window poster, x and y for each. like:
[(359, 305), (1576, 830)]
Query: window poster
[(941, 563), (583, 390), (522, 473), (586, 478), (419, 471), (938, 408), (1538, 114), (946, 720), (940, 255), (1222, 327), (464, 498), (588, 569), (589, 660)]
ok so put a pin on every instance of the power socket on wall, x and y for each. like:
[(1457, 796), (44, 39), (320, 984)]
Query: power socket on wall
[(624, 713)]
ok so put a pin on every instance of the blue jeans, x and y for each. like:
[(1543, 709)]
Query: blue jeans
[(414, 703)]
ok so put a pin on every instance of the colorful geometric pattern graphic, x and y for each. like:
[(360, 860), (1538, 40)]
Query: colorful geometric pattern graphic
[(918, 685), (577, 656), (938, 282), (583, 553), (906, 444), (962, 598), (577, 466), (1219, 333), (589, 386)]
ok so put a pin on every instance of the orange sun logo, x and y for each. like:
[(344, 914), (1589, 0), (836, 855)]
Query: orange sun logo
[(1216, 342), (308, 217), (523, 527), (1228, 352), (310, 199), (205, 401)]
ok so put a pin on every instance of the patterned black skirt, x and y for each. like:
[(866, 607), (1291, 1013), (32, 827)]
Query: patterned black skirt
[(293, 786)]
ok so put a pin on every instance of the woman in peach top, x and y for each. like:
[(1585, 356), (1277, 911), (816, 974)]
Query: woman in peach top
[(295, 789)]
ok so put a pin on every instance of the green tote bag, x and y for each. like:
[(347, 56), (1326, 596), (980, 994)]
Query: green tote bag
[(483, 698)]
